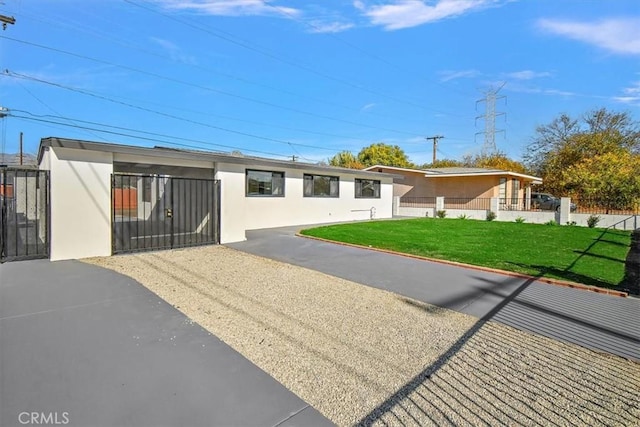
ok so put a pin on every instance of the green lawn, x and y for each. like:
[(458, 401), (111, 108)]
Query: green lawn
[(579, 254)]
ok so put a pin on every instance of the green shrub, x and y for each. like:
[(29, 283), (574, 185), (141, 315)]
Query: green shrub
[(593, 220), (551, 222), (520, 220), (464, 216), (441, 214), (491, 215)]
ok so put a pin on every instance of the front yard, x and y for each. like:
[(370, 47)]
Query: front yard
[(584, 255)]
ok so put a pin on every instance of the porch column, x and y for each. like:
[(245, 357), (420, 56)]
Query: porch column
[(527, 197)]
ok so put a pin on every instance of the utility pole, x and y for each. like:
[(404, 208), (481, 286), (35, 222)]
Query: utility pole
[(20, 148), (489, 116), (294, 158), (7, 20), (2, 143), (435, 145)]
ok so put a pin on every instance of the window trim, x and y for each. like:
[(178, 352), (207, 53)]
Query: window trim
[(376, 182), (272, 172), (321, 196)]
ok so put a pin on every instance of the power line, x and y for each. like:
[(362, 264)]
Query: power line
[(47, 106), (172, 116), (367, 53), (39, 118), (109, 37), (190, 84), (110, 99), (223, 35)]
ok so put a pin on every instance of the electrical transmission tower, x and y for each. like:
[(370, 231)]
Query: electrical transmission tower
[(489, 116)]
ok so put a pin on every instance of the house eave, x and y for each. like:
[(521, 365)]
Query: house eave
[(169, 153), (428, 174)]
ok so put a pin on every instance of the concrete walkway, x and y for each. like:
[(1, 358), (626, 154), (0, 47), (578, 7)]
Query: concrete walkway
[(85, 346), (600, 322)]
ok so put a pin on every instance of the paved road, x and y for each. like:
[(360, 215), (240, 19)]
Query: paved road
[(600, 322), (85, 346)]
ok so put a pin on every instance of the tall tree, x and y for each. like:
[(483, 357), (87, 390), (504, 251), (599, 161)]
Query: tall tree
[(595, 158), (442, 163), (498, 160), (384, 154), (552, 137), (346, 159), (612, 179)]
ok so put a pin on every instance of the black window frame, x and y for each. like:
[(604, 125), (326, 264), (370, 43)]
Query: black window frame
[(274, 174), (377, 187), (313, 177)]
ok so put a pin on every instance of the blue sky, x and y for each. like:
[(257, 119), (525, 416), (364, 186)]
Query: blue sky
[(281, 78)]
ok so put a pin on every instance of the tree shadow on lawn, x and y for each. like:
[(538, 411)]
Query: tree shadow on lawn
[(567, 273)]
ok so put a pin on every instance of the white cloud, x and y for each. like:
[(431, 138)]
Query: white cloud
[(627, 99), (631, 94), (620, 35), (410, 13), (526, 75), (368, 106), (453, 75), (175, 53), (230, 7), (329, 27), (559, 92), (633, 90)]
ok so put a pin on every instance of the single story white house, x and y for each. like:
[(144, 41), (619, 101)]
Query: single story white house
[(108, 198)]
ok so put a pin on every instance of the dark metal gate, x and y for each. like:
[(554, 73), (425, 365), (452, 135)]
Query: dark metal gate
[(153, 212), (24, 214)]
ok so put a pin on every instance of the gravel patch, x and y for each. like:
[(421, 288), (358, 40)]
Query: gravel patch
[(364, 355)]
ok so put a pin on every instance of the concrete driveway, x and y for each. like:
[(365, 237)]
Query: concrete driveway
[(85, 346), (600, 322)]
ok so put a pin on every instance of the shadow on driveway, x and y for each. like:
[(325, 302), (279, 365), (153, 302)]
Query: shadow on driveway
[(596, 321), (94, 347)]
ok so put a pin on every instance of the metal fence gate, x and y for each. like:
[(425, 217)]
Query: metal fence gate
[(24, 214), (153, 212)]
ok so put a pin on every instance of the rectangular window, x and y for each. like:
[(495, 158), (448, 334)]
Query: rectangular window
[(367, 189), (515, 189), (503, 190), (265, 183), (321, 186)]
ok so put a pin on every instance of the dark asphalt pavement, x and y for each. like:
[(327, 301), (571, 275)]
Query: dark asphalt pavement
[(600, 322), (85, 346)]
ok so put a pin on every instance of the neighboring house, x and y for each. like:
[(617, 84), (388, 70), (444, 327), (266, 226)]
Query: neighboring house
[(109, 198), (460, 183)]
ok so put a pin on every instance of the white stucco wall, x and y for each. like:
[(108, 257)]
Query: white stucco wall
[(80, 203), (233, 210), (240, 212), (81, 200)]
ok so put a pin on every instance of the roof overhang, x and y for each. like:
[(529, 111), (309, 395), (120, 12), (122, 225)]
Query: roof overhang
[(426, 174), (169, 153)]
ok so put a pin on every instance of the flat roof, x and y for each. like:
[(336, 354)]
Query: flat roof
[(212, 156)]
